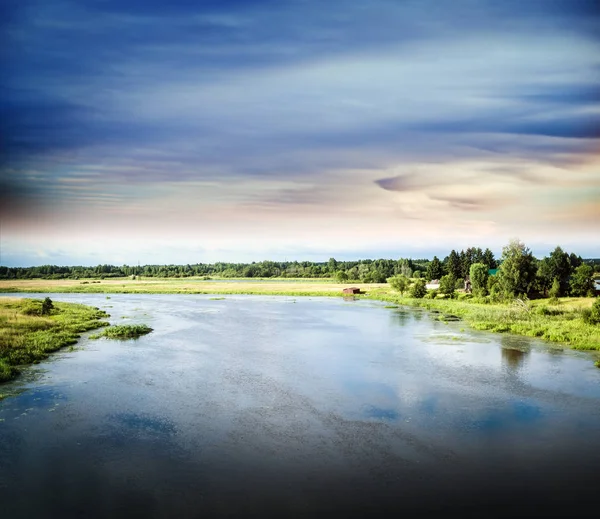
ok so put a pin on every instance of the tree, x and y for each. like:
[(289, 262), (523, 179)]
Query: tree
[(544, 276), (341, 276), (560, 268), (405, 269), (47, 306), (582, 281), (447, 285), (434, 269), (517, 271), (478, 273), (554, 291), (488, 259), (399, 283), (453, 265), (418, 290)]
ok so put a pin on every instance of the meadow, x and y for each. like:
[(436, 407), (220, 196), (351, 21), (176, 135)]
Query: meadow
[(29, 332)]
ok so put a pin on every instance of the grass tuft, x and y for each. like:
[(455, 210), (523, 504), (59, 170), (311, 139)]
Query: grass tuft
[(123, 332)]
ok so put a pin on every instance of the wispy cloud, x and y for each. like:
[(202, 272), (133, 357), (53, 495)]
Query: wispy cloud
[(168, 115)]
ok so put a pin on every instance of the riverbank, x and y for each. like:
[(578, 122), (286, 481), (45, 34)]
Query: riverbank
[(29, 332), (561, 322)]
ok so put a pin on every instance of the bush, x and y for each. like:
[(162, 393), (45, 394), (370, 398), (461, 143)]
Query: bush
[(447, 285), (418, 290), (399, 283), (592, 316)]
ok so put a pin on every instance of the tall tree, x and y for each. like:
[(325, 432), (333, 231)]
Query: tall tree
[(582, 281), (453, 265), (517, 270), (560, 268), (478, 273), (434, 269), (488, 259)]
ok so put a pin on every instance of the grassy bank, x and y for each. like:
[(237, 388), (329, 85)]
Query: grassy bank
[(29, 332), (561, 322)]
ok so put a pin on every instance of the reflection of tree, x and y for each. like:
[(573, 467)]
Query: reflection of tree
[(513, 358), (514, 351), (400, 317)]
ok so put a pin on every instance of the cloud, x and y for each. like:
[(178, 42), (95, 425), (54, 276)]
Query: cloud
[(384, 112)]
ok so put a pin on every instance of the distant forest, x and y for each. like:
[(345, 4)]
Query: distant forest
[(455, 263)]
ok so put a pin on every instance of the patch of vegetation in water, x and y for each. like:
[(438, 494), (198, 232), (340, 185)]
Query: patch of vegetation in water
[(216, 298), (31, 329), (447, 318), (126, 331), (391, 306)]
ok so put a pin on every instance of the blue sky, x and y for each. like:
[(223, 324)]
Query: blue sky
[(199, 131)]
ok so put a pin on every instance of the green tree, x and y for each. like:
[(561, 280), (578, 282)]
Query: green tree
[(582, 281), (517, 271), (560, 268), (478, 273), (447, 285), (544, 276), (399, 283), (341, 276), (488, 259), (554, 291), (418, 290), (47, 306), (453, 265), (405, 268), (434, 269)]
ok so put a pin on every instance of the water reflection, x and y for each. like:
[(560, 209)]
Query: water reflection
[(319, 405), (515, 352), (400, 317)]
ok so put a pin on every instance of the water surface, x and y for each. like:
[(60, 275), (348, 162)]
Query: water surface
[(253, 404)]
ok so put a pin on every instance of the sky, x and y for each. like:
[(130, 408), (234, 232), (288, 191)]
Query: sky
[(244, 130)]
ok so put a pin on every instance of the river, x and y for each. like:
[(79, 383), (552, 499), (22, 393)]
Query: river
[(249, 405)]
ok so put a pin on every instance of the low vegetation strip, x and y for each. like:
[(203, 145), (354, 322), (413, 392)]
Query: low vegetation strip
[(31, 329), (564, 321), (126, 331)]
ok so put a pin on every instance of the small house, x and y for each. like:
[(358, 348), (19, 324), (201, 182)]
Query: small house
[(352, 290)]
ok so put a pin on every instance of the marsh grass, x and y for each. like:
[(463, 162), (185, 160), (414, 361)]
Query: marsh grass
[(123, 332), (27, 337), (563, 322)]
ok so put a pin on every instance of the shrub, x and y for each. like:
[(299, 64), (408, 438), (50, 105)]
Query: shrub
[(447, 285), (399, 283), (418, 290), (592, 316)]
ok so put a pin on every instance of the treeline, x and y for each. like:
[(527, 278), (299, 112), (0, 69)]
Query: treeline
[(559, 266), (519, 274), (367, 270)]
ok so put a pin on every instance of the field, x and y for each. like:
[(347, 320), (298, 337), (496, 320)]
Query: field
[(296, 287)]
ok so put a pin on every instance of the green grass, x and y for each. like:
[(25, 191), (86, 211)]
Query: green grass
[(563, 323), (27, 337), (127, 331)]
